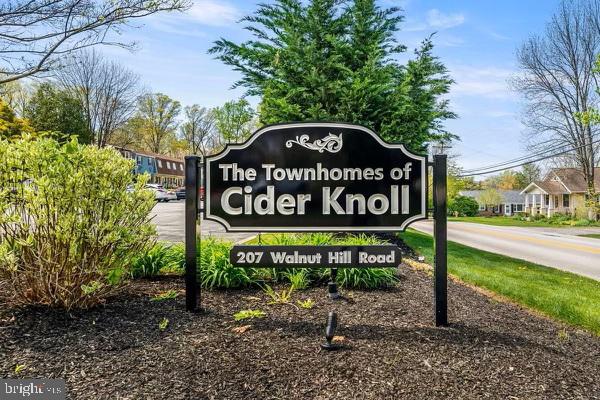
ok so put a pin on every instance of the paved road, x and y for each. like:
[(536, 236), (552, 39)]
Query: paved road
[(558, 248), (169, 219)]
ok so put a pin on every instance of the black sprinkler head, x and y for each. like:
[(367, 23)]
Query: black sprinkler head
[(330, 332)]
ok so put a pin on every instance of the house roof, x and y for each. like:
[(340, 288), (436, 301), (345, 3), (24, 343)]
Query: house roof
[(508, 196), (574, 180), (176, 166), (548, 187)]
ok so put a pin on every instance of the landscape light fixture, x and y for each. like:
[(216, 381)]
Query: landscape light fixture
[(330, 332), (332, 285)]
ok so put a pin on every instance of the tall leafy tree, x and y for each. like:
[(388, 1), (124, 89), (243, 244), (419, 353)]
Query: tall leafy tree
[(198, 128), (12, 126), (55, 110), (158, 113), (233, 120), (334, 60)]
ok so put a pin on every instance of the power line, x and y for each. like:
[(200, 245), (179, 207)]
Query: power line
[(529, 161), (522, 158)]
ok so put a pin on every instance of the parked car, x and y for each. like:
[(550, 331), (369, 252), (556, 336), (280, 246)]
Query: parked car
[(160, 193), (180, 192)]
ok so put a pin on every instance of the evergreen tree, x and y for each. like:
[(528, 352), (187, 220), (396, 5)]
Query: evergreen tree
[(54, 110), (334, 60)]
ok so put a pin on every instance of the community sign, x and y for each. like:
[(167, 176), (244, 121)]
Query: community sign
[(315, 177)]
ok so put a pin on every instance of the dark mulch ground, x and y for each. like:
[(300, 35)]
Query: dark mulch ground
[(492, 350)]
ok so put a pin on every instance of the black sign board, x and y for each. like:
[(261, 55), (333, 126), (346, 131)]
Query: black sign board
[(315, 177), (315, 256)]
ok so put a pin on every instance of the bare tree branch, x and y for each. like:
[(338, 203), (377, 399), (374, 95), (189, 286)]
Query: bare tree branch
[(558, 83), (107, 91), (34, 33)]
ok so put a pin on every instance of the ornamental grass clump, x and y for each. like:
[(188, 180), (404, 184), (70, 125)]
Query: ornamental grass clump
[(72, 219), (216, 269), (160, 259), (364, 278)]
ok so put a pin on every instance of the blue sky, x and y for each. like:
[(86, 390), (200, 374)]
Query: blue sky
[(476, 40)]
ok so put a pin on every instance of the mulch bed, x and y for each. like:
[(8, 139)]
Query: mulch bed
[(492, 350)]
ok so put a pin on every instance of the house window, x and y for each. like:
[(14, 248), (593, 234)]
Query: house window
[(517, 207), (159, 163), (546, 200), (181, 167), (566, 198), (482, 207), (168, 165)]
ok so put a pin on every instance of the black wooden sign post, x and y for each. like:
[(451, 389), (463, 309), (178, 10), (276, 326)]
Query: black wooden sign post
[(310, 177), (440, 235)]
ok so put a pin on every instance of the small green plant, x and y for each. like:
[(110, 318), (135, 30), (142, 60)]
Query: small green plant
[(163, 324), (217, 271), (282, 297), (563, 334), (248, 314), (298, 279), (168, 295), (306, 304), (19, 368), (160, 258)]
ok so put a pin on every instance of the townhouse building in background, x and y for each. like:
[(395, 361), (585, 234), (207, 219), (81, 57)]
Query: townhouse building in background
[(165, 170)]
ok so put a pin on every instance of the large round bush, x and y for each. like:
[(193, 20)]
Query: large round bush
[(70, 221), (464, 206)]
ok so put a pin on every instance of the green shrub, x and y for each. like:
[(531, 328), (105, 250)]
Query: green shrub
[(559, 219), (159, 259), (216, 270), (582, 222), (463, 206), (69, 228), (366, 278)]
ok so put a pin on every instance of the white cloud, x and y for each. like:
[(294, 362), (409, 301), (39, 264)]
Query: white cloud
[(202, 13), (489, 82), (214, 13), (437, 19)]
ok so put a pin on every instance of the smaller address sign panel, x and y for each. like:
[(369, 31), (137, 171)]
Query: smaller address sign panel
[(376, 256), (315, 176)]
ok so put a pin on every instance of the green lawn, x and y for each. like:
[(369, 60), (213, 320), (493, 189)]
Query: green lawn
[(562, 295), (591, 235), (508, 221)]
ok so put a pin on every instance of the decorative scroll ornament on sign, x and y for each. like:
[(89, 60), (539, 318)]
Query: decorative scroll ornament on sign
[(330, 143)]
